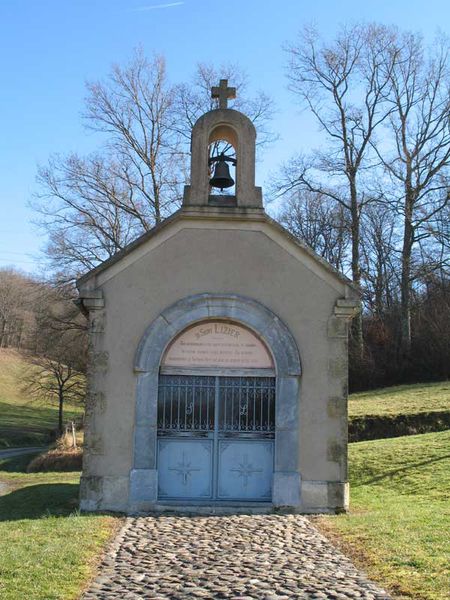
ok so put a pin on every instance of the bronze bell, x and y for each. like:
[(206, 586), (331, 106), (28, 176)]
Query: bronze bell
[(221, 178)]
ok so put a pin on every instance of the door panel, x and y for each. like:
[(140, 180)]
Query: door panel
[(245, 469), (185, 468), (215, 437)]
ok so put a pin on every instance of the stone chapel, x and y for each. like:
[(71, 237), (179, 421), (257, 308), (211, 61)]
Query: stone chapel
[(218, 353)]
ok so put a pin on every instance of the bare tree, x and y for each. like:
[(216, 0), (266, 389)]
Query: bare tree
[(321, 224), (87, 210), (15, 314), (344, 84), (379, 260), (419, 122), (92, 207), (435, 247), (54, 380), (57, 358), (135, 108)]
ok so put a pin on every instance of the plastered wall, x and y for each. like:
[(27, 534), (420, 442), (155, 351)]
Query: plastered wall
[(202, 258)]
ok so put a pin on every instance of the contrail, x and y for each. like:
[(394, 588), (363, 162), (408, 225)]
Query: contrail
[(153, 6)]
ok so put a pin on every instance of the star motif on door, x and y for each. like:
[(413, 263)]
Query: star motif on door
[(184, 469), (245, 470)]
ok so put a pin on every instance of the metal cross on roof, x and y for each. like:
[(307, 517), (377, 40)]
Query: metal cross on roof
[(223, 92)]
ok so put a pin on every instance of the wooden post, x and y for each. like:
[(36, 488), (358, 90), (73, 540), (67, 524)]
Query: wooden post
[(74, 438)]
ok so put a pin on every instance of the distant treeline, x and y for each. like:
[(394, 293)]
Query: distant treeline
[(384, 362)]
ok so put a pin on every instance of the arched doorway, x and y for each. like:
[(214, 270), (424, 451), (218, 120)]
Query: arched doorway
[(144, 475), (216, 415)]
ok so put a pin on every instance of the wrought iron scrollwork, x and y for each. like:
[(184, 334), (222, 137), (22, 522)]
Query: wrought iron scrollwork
[(188, 404)]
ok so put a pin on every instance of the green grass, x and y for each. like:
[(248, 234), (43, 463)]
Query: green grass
[(24, 422), (395, 530), (48, 551), (401, 400), (400, 516)]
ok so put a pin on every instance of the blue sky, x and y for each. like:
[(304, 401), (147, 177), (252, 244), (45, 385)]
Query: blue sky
[(49, 48)]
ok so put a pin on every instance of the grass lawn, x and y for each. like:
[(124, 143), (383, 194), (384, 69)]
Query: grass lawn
[(399, 520), (47, 549), (395, 530), (24, 423), (401, 400)]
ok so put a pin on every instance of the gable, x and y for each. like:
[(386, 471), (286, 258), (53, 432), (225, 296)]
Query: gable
[(184, 220)]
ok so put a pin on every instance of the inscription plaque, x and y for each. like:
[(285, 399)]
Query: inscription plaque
[(218, 344)]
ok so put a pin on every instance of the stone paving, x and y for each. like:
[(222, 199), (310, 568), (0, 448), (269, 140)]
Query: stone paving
[(267, 557)]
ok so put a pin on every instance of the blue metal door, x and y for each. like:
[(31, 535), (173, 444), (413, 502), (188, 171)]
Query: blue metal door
[(215, 437)]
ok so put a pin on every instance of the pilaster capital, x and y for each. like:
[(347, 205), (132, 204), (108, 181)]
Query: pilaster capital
[(90, 300), (346, 308)]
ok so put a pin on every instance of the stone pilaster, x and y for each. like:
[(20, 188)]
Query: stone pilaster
[(91, 489), (334, 494)]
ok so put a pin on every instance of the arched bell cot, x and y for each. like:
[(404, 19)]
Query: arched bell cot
[(235, 128)]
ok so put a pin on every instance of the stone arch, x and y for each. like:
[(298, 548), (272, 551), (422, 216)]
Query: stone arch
[(271, 329), (241, 130), (224, 132)]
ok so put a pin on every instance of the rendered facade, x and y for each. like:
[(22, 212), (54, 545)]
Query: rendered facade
[(218, 357)]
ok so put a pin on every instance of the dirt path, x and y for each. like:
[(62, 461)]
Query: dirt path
[(10, 452), (5, 488)]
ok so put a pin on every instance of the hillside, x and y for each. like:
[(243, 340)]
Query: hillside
[(24, 422), (399, 410), (401, 400)]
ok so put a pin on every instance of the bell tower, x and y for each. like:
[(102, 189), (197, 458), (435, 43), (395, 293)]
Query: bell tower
[(211, 174)]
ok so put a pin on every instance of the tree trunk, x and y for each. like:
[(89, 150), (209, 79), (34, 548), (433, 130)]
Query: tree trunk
[(357, 331), (2, 332), (379, 288), (60, 410), (405, 314)]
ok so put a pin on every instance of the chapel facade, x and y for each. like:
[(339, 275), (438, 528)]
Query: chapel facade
[(218, 354)]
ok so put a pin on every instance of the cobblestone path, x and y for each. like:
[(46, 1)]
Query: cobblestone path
[(263, 557)]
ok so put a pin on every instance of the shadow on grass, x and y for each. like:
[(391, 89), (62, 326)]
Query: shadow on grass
[(18, 464), (401, 470), (39, 501)]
